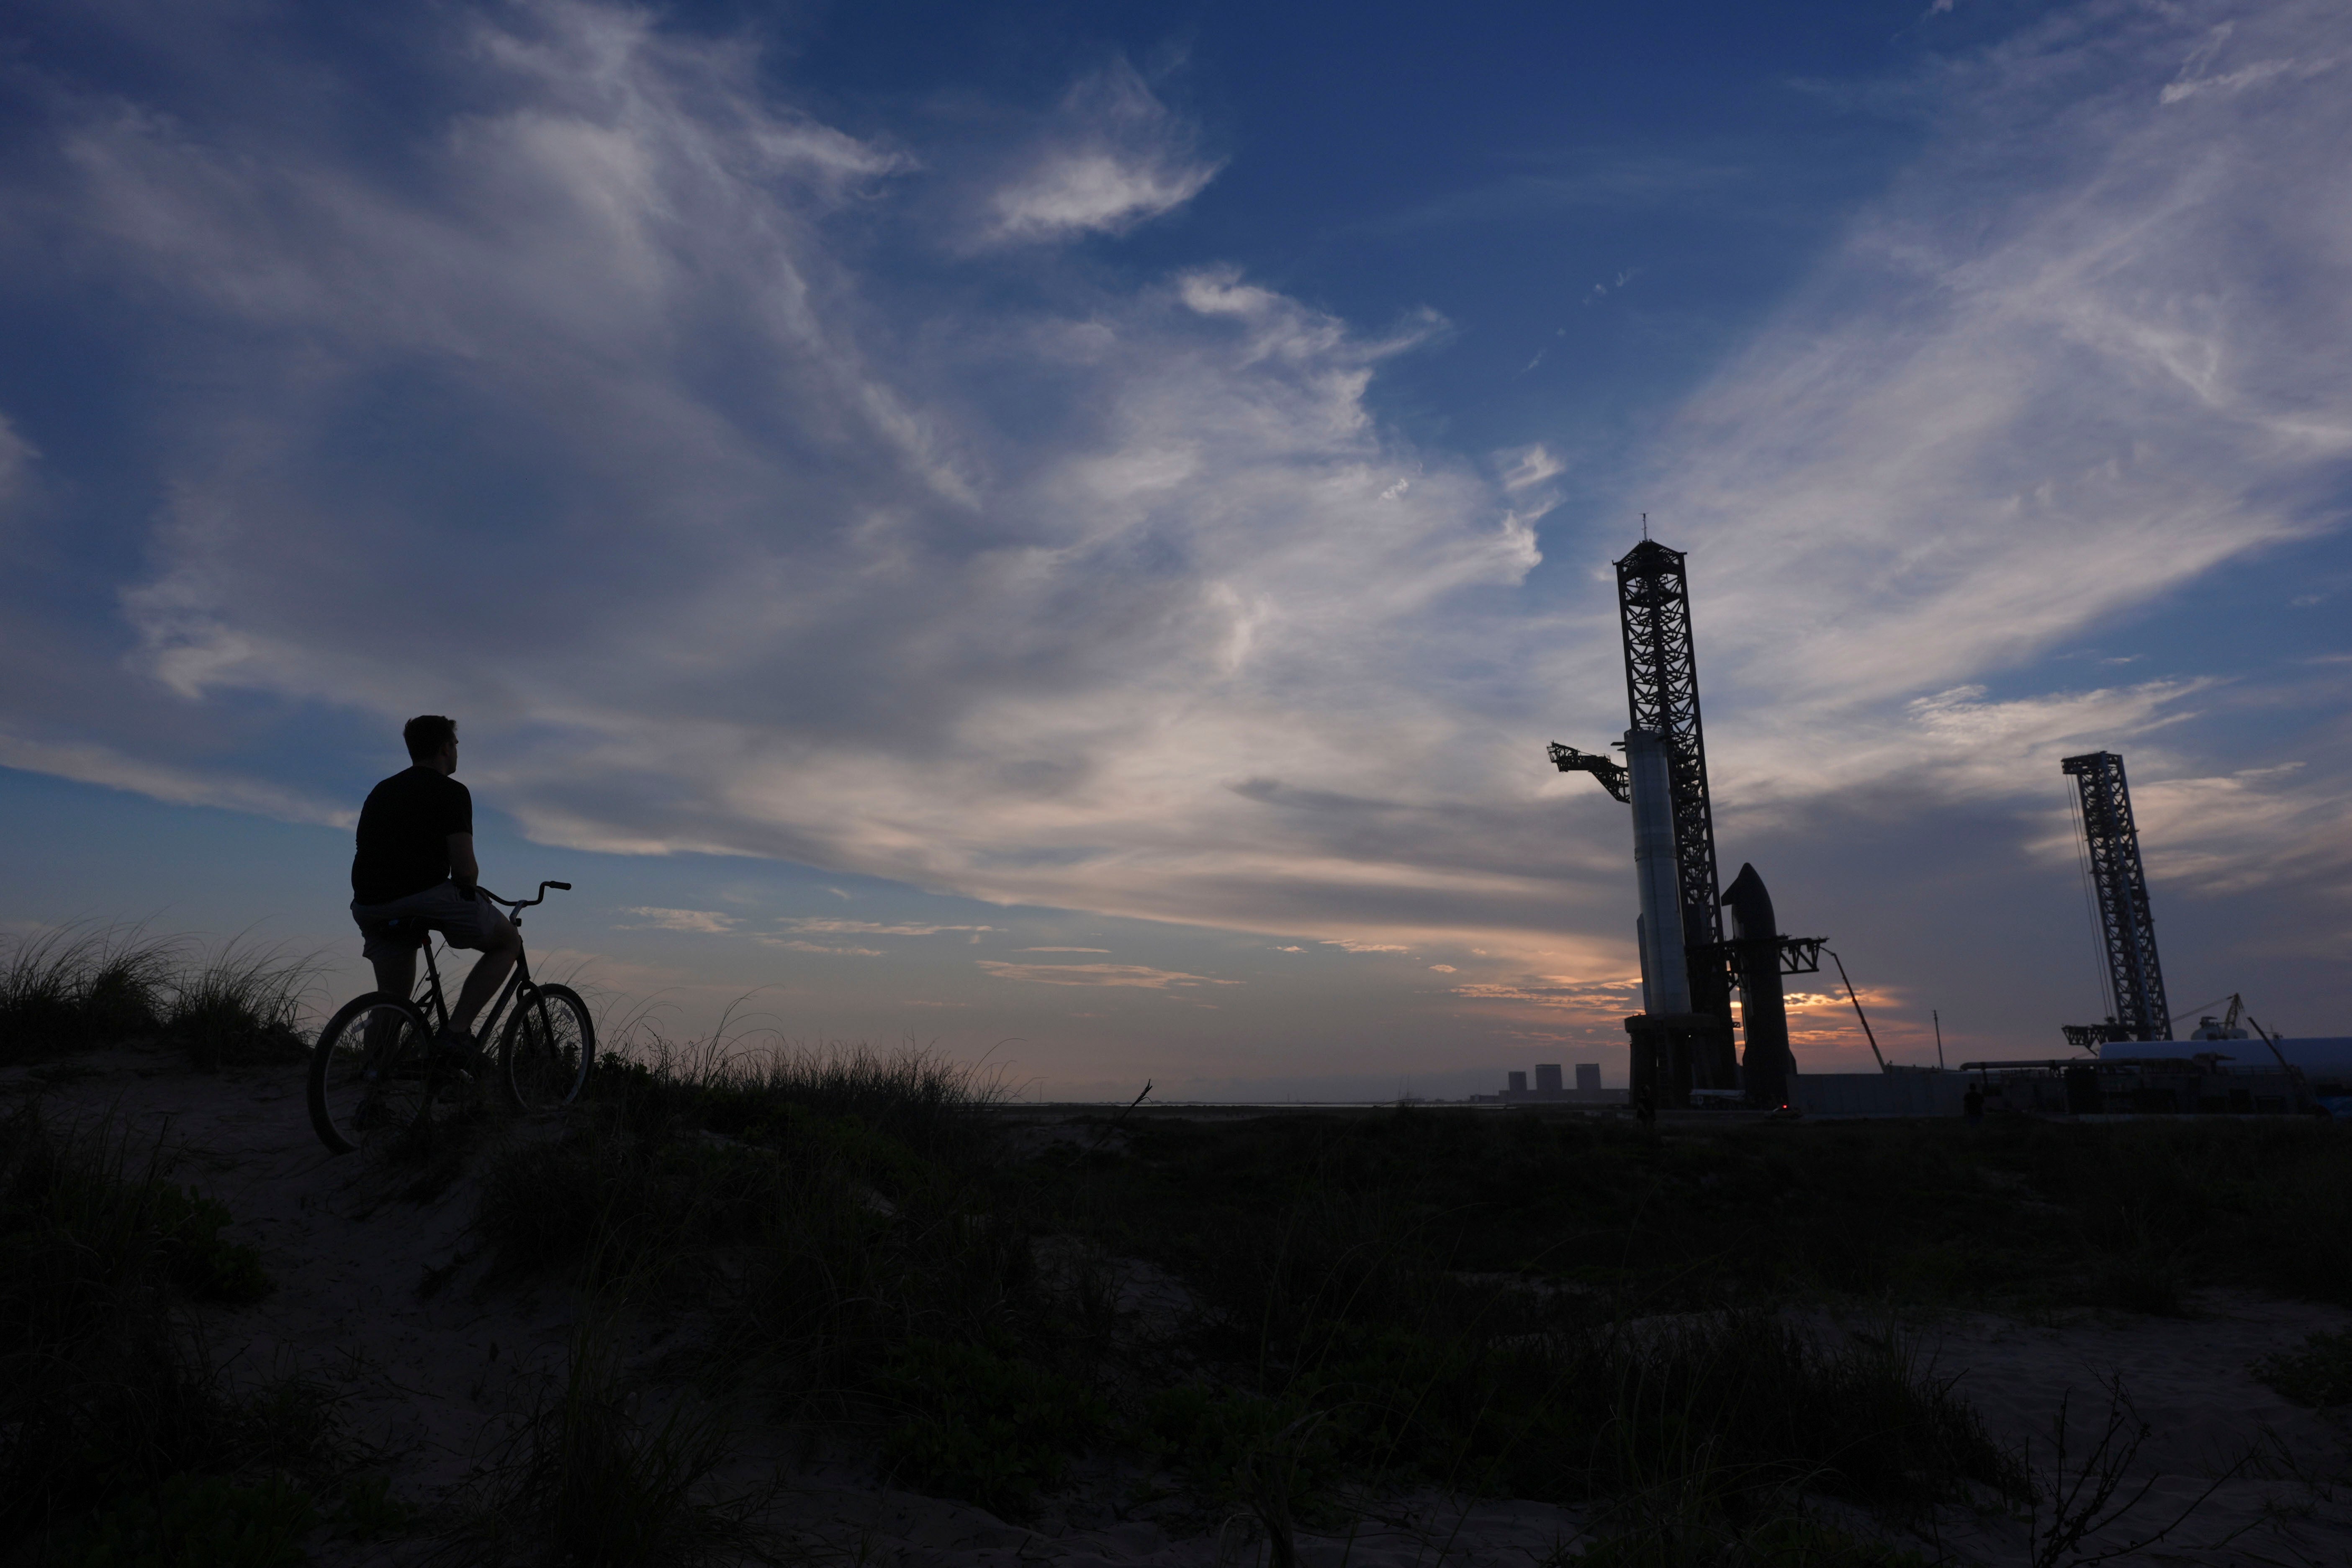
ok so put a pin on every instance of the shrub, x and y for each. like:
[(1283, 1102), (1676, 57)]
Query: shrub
[(2319, 1374)]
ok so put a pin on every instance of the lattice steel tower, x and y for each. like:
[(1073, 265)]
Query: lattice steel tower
[(2133, 976), (1662, 695)]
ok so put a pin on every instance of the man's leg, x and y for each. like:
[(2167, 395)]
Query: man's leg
[(396, 971), (499, 954)]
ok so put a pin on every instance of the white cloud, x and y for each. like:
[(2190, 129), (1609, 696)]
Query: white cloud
[(1532, 466), (797, 946), (16, 456), (1443, 969), (707, 921), (1114, 157), (870, 928), (1176, 628), (1348, 946), (1096, 622), (1136, 975), (90, 762), (2227, 832), (2045, 382), (1065, 950)]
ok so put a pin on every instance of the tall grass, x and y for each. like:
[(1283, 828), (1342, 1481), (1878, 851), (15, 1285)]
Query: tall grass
[(83, 985), (592, 1477), (244, 1004), (105, 1391), (825, 1201), (860, 1246)]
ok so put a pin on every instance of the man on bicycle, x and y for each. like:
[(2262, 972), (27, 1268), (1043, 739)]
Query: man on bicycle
[(414, 872)]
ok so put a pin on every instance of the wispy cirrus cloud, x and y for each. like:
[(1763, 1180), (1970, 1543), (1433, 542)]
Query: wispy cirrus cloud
[(2034, 387), (709, 921), (1138, 976), (871, 928), (1117, 594), (1103, 606), (1112, 157)]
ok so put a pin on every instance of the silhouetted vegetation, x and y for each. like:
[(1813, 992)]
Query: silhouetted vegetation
[(2318, 1374), (115, 1429), (1514, 1305), (82, 986), (1276, 1318), (2032, 1215), (592, 1477)]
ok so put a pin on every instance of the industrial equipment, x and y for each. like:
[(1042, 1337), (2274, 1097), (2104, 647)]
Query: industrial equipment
[(2135, 981), (1763, 1008), (1662, 697), (2222, 1029), (1867, 1032), (1682, 1040), (1611, 773)]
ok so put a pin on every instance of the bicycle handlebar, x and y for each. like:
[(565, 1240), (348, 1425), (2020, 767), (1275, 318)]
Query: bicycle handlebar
[(522, 903)]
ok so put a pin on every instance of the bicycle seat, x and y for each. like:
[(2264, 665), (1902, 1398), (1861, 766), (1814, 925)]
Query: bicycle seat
[(399, 926)]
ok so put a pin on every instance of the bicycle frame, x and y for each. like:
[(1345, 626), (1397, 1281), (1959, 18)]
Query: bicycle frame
[(438, 1003)]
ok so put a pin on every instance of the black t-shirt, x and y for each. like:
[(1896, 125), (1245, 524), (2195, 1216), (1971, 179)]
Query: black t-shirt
[(404, 831)]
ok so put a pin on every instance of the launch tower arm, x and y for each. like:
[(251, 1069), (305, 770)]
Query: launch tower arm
[(1611, 773)]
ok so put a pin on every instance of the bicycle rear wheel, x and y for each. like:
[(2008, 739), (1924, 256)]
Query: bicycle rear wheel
[(547, 1048), (369, 1071)]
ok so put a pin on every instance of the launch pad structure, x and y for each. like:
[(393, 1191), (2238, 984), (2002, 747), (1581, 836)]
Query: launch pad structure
[(1681, 1042), (2138, 1009)]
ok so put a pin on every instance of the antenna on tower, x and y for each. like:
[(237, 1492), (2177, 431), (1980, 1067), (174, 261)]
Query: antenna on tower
[(1645, 528)]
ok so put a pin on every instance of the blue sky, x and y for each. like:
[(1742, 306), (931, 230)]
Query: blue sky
[(1063, 530)]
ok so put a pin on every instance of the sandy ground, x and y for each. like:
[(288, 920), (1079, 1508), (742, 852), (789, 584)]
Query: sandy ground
[(383, 1296)]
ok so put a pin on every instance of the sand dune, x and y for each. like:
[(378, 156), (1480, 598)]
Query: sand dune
[(381, 1290)]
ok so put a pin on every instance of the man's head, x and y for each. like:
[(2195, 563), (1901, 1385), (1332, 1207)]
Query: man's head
[(432, 741)]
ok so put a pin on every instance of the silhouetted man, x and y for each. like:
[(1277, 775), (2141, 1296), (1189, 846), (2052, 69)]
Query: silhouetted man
[(415, 863)]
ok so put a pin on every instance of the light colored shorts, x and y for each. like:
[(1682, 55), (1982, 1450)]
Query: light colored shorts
[(458, 913)]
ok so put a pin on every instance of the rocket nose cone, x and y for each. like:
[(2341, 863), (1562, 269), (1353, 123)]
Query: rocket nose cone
[(1751, 906)]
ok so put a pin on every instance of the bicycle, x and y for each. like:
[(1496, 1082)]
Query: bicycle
[(374, 1074)]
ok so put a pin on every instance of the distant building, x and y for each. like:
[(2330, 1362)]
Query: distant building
[(1550, 1090)]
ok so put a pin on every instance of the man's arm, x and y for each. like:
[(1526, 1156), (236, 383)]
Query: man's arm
[(463, 870)]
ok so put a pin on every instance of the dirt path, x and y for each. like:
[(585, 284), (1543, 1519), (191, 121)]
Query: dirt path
[(380, 1292)]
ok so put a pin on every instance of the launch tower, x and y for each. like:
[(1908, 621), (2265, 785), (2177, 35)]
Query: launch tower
[(1662, 697), (2111, 839)]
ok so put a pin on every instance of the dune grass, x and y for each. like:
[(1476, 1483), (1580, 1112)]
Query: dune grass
[(243, 1004), (83, 985), (858, 1241), (80, 985), (598, 1472), (114, 1424)]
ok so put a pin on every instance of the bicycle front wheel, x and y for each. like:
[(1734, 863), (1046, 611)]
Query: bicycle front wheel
[(547, 1047), (369, 1071)]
